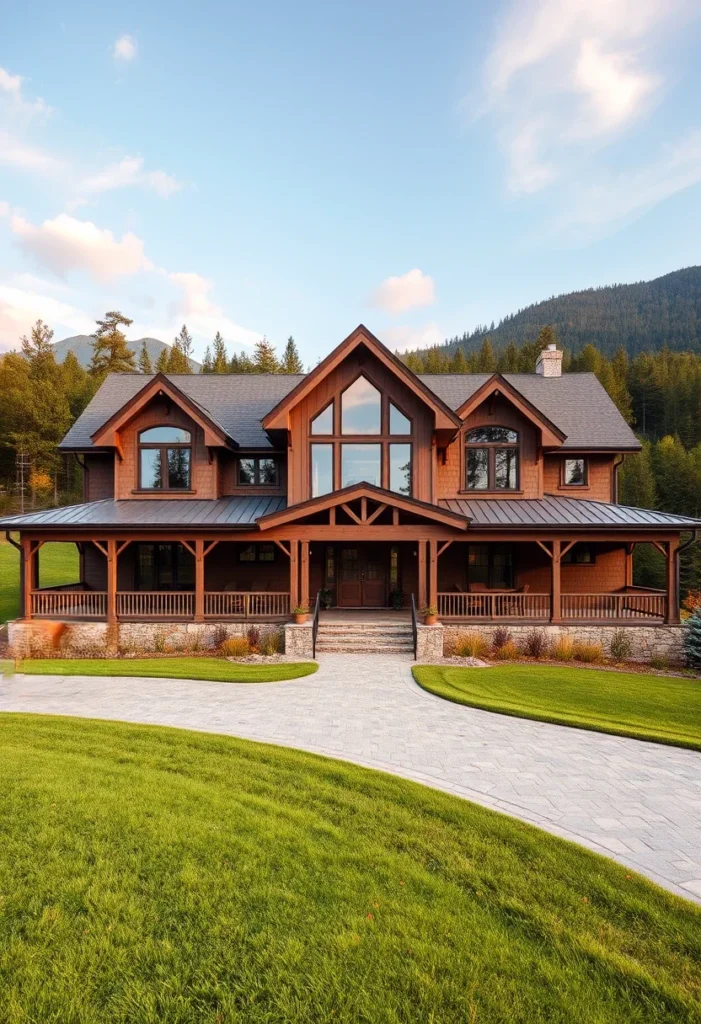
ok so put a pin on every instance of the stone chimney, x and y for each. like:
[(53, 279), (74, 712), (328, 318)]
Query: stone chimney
[(549, 362)]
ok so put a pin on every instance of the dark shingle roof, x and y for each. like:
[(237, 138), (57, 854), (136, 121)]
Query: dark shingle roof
[(147, 512), (552, 510), (575, 402), (236, 401)]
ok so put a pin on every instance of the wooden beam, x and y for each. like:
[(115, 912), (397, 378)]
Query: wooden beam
[(199, 580), (349, 511), (662, 548), (378, 512), (444, 547), (433, 573), (100, 547), (294, 573), (210, 546), (111, 581), (282, 547), (27, 576), (364, 509), (547, 550), (395, 517), (192, 548), (122, 545), (304, 574), (672, 583), (555, 593), (567, 547), (422, 574), (332, 516)]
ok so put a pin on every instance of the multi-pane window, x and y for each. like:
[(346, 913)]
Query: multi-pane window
[(361, 408), (490, 566), (323, 423), (322, 469), (164, 567), (361, 463), (574, 472), (164, 458), (492, 459), (258, 471), (400, 468), (257, 553), (398, 422)]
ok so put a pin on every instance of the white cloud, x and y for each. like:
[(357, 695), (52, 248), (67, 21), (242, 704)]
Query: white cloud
[(586, 67), (409, 291), (21, 304), (65, 243), (124, 48), (129, 173), (202, 315), (11, 88), (24, 157), (403, 338), (4, 208)]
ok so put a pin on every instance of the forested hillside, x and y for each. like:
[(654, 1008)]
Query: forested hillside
[(642, 317)]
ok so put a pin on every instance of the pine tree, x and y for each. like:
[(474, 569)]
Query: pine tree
[(291, 363), (508, 360), (487, 360), (184, 343), (38, 345), (220, 360), (207, 362), (458, 364), (414, 361), (181, 353), (435, 361), (264, 359), (78, 385), (547, 337), (692, 640), (144, 359), (110, 351), (163, 360)]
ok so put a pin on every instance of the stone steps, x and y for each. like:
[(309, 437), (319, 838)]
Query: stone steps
[(362, 638)]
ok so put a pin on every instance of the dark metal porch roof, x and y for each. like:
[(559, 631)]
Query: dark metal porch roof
[(555, 511)]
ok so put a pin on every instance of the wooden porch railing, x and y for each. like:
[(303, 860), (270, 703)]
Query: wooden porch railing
[(237, 604), (69, 603), (494, 605), (155, 604), (614, 606)]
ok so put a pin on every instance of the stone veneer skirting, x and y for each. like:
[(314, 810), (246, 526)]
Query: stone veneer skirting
[(95, 639), (647, 641)]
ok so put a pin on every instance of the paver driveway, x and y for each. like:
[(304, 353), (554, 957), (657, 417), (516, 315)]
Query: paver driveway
[(637, 802)]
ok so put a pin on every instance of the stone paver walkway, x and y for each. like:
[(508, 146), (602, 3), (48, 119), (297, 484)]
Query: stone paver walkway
[(639, 803)]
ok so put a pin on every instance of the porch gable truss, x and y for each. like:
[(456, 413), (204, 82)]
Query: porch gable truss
[(363, 505)]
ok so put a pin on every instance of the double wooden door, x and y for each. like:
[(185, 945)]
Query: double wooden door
[(363, 573)]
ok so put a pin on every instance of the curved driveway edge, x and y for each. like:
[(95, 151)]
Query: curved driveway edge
[(635, 801)]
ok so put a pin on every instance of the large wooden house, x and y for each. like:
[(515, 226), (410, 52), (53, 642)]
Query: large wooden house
[(223, 498)]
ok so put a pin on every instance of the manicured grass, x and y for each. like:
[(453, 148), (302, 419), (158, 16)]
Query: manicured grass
[(58, 563), (153, 875), (216, 669), (658, 708)]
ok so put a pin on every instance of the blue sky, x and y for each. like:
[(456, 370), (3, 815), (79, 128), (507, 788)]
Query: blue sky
[(298, 168)]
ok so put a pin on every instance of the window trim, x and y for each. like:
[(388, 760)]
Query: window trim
[(257, 482), (491, 447), (163, 447), (563, 471)]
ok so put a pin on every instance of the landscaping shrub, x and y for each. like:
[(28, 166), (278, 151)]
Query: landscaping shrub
[(590, 653), (236, 647), (271, 643), (220, 636), (471, 645), (692, 640), (692, 601), (659, 662), (507, 652), (535, 643), (500, 637), (563, 649), (159, 642), (620, 647), (253, 637)]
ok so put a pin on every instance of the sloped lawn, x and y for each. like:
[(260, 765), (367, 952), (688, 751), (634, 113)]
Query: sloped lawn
[(215, 669), (152, 875), (663, 709)]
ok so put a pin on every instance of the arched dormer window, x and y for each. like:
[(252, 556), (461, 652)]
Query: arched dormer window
[(492, 459), (165, 456)]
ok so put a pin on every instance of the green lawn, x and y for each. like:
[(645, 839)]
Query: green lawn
[(58, 563), (153, 875), (658, 708), (215, 669)]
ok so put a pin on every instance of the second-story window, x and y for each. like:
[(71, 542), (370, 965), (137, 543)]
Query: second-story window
[(165, 455), (492, 459), (258, 472)]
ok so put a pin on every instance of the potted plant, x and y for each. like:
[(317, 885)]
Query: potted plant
[(430, 615), (300, 614), (326, 597), (396, 599)]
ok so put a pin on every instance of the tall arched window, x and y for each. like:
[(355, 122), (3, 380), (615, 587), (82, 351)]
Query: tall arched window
[(165, 455), (492, 459)]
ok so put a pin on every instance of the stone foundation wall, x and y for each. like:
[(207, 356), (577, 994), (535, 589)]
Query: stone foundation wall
[(429, 642), (298, 640), (647, 641), (97, 639)]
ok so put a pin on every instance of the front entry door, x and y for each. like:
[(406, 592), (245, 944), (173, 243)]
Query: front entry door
[(362, 579)]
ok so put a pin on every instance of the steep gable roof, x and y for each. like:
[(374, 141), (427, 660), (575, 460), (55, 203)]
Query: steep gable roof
[(496, 384)]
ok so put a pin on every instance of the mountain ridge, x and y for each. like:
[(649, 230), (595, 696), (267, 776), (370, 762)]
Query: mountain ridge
[(81, 346)]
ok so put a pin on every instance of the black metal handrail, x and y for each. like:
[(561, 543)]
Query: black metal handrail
[(414, 631), (315, 622)]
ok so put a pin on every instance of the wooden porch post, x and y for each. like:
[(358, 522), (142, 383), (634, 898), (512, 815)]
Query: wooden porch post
[(422, 574), (433, 573), (199, 581), (672, 615), (555, 595), (630, 548), (27, 576), (304, 567), (111, 581), (294, 573)]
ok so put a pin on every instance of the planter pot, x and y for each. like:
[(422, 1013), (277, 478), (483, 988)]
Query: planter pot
[(301, 618), (430, 620)]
